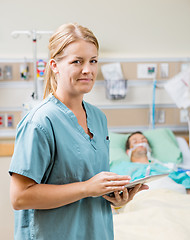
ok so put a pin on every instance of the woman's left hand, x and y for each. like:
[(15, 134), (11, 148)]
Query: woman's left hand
[(121, 199)]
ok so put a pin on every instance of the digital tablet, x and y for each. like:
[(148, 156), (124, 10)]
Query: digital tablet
[(146, 180), (142, 181)]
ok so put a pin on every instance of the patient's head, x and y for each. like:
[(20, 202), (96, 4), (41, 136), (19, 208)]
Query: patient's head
[(137, 147)]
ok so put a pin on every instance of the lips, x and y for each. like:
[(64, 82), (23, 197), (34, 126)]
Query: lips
[(141, 147), (84, 79)]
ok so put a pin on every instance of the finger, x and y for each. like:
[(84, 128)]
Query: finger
[(108, 173), (118, 196), (110, 189), (117, 183), (110, 199), (137, 187), (130, 189), (134, 191), (125, 194), (117, 177), (144, 187)]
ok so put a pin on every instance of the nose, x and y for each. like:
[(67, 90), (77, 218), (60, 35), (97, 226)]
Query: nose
[(139, 141), (86, 68)]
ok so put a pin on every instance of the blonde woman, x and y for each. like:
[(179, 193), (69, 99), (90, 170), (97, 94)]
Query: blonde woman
[(60, 167)]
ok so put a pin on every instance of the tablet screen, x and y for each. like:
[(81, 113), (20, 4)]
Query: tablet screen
[(146, 180), (142, 181)]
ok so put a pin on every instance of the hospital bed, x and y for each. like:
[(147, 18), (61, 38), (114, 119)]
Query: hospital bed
[(163, 211)]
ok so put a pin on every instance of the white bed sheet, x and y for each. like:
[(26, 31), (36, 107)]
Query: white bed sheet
[(155, 215), (166, 183)]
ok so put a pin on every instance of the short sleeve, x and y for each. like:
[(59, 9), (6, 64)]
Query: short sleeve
[(33, 152)]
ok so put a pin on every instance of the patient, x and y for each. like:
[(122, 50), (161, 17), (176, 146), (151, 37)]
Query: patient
[(137, 147), (139, 151)]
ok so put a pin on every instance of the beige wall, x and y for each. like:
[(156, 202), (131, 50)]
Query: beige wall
[(7, 215), (124, 28)]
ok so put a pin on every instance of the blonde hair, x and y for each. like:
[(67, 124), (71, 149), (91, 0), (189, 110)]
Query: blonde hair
[(65, 34)]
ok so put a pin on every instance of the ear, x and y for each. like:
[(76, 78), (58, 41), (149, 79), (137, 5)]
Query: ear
[(127, 151), (53, 65)]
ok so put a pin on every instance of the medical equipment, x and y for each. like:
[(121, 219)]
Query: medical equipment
[(115, 84), (153, 103), (147, 171), (116, 89), (38, 85), (1, 73), (170, 166), (40, 65), (8, 72), (135, 146), (178, 88), (24, 70), (34, 35)]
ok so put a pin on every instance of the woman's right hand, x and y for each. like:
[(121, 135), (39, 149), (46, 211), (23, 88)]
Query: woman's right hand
[(104, 183), (27, 194)]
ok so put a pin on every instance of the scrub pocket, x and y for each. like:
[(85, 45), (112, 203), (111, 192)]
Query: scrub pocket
[(107, 143)]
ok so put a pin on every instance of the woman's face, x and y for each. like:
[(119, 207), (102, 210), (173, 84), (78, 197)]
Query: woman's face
[(77, 70)]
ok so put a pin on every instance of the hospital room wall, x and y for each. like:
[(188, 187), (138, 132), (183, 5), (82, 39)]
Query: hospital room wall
[(132, 113), (125, 29)]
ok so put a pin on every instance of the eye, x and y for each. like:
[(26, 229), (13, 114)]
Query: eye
[(76, 61), (133, 141), (94, 61)]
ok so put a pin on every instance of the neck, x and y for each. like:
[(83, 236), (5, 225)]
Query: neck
[(140, 159), (73, 103)]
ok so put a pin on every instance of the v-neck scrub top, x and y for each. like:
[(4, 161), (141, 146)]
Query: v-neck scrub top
[(52, 148)]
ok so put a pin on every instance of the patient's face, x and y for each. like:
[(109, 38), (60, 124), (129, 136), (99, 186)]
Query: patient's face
[(139, 153), (137, 138)]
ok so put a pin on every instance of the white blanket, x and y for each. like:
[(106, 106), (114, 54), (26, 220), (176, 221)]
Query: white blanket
[(154, 215)]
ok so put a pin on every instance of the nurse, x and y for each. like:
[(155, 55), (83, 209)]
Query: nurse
[(60, 167)]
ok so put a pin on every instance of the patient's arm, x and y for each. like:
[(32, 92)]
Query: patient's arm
[(188, 191)]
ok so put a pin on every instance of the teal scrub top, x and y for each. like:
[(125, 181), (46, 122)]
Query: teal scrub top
[(52, 148)]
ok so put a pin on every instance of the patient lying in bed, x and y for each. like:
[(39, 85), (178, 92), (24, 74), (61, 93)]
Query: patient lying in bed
[(163, 211), (143, 164)]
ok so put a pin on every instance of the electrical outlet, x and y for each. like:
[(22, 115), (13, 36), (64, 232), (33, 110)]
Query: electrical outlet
[(159, 116), (2, 120), (164, 70), (10, 120), (183, 115), (1, 73)]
